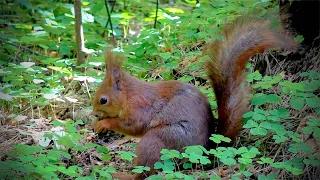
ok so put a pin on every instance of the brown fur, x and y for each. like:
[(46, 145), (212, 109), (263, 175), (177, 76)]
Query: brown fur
[(226, 70), (172, 114)]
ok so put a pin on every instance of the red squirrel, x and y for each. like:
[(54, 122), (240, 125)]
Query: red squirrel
[(173, 114)]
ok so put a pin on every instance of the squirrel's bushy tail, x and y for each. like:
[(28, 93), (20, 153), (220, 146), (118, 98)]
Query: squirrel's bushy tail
[(226, 69)]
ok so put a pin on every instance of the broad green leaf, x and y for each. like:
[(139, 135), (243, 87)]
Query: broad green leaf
[(228, 161), (292, 85), (247, 114), (270, 176), (258, 131), (313, 102), (245, 160), (102, 149), (194, 149), (257, 117), (265, 160), (279, 138), (266, 125), (297, 102), (273, 118), (314, 122), (316, 132), (158, 165), (273, 98), (217, 138), (307, 130), (251, 124), (165, 56)]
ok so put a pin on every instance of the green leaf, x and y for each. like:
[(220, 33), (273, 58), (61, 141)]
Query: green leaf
[(314, 74), (297, 103), (187, 165), (189, 33), (307, 130), (311, 74), (105, 174), (304, 74), (165, 56), (273, 118), (156, 177), (254, 76), (105, 157), (247, 173), (273, 98), (247, 114), (314, 122), (306, 149), (228, 161), (235, 178), (179, 175), (65, 141), (289, 84), (193, 149), (265, 160), (279, 138), (139, 51), (204, 160), (313, 160), (257, 117), (64, 49), (127, 155), (312, 85), (170, 154), (278, 165), (186, 78), (258, 131), (253, 151), (158, 165), (265, 125), (242, 150), (217, 138), (313, 102), (270, 176), (259, 99), (140, 169), (294, 136), (245, 160), (297, 147), (316, 132), (283, 112), (260, 111), (251, 124)]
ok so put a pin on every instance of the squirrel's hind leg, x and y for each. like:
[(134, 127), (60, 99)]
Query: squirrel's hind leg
[(148, 151)]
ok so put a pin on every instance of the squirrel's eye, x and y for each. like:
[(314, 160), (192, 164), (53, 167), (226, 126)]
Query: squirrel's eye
[(103, 100)]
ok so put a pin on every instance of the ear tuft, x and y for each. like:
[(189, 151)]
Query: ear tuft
[(113, 66), (113, 60)]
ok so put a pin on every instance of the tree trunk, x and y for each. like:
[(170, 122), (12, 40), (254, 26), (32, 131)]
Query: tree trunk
[(79, 32)]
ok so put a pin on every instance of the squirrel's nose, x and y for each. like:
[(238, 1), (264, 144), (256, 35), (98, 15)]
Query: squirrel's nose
[(96, 113)]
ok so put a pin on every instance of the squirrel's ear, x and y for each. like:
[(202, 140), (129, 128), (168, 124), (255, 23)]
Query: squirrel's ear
[(116, 79), (113, 67)]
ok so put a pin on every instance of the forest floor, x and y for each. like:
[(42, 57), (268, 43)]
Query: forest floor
[(30, 128)]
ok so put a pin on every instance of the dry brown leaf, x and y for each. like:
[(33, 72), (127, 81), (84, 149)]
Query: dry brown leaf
[(122, 141)]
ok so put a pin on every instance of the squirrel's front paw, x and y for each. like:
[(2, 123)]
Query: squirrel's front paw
[(100, 126)]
